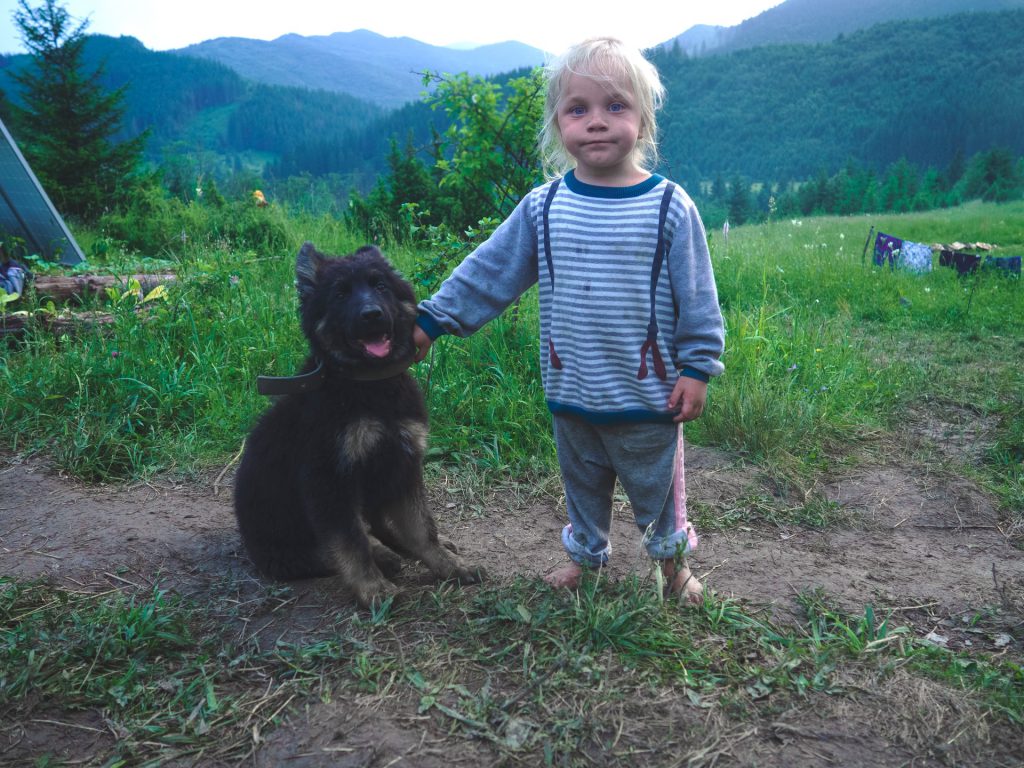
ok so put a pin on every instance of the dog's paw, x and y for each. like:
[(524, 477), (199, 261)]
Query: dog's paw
[(375, 591), (469, 574)]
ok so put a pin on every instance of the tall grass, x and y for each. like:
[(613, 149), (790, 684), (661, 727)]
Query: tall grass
[(822, 349)]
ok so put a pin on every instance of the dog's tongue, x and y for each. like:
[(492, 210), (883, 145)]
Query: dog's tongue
[(378, 347)]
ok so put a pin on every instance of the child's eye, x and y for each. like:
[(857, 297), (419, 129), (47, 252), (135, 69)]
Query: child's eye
[(577, 111), (616, 107)]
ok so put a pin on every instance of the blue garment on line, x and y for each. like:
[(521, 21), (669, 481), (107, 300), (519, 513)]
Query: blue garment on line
[(902, 254), (915, 257), (12, 277), (1009, 264)]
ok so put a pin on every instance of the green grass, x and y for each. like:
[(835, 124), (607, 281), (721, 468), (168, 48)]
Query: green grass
[(825, 353), (531, 670)]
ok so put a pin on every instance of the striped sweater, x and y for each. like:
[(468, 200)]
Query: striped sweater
[(596, 295)]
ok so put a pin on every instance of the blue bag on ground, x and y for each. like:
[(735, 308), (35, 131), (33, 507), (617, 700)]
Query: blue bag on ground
[(13, 276)]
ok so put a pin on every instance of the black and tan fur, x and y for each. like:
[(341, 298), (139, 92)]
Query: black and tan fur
[(331, 482)]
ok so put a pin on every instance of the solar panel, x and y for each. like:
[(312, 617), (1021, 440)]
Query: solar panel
[(26, 210)]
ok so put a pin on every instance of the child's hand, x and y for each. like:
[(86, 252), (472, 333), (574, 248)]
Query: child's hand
[(422, 342), (688, 396)]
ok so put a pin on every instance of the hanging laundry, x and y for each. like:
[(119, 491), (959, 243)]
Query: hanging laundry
[(915, 257), (1010, 264), (902, 254), (887, 250), (963, 263)]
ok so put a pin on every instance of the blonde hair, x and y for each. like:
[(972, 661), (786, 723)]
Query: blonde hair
[(607, 59)]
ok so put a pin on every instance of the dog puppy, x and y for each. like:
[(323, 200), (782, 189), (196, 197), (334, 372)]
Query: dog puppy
[(331, 478)]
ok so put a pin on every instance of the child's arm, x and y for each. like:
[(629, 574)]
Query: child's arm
[(699, 334), (485, 283)]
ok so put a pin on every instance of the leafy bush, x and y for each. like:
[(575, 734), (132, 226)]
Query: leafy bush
[(153, 222), (481, 166)]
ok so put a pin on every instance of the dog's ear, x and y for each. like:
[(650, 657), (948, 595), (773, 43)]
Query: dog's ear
[(307, 266), (369, 249)]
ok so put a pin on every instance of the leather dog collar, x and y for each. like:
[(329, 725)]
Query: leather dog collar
[(314, 380)]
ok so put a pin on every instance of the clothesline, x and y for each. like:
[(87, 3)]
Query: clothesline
[(900, 253)]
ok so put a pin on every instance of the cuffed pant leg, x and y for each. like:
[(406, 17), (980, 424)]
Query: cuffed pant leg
[(589, 485), (644, 459)]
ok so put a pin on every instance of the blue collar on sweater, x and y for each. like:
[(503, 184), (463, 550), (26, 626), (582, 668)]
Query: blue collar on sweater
[(593, 190)]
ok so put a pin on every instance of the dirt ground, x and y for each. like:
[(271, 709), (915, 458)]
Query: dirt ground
[(928, 546)]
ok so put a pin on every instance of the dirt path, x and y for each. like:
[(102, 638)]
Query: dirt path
[(927, 546)]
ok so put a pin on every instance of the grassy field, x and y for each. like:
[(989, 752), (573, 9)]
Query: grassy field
[(822, 350), (826, 356)]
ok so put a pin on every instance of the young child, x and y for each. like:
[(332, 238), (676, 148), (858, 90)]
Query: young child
[(630, 326)]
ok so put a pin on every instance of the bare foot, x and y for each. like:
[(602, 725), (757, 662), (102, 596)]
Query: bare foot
[(567, 576), (682, 583)]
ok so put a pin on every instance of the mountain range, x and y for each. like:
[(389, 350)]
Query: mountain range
[(821, 21), (387, 70), (382, 70), (805, 86)]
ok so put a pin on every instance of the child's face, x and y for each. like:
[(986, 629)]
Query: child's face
[(600, 123)]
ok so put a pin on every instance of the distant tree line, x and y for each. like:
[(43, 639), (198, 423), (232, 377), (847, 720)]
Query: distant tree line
[(996, 175)]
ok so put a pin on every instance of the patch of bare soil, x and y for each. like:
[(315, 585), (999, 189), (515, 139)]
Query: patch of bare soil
[(927, 547)]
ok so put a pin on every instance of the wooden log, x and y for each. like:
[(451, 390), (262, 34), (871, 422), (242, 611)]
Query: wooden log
[(14, 325), (61, 288)]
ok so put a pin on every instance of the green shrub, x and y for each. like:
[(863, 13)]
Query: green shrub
[(156, 223)]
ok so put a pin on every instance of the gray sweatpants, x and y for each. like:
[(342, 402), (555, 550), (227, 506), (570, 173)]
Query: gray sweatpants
[(642, 457)]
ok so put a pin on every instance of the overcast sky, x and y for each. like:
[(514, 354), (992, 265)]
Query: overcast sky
[(550, 25)]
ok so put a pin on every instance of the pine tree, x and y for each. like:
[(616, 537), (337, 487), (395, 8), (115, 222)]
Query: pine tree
[(740, 205), (68, 118), (993, 175)]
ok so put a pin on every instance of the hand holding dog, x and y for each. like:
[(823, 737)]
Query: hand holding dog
[(422, 343), (689, 396)]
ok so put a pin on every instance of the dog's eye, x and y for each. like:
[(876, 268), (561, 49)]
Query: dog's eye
[(341, 290), (381, 287)]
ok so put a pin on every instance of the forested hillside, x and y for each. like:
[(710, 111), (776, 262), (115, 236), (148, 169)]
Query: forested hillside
[(924, 90), (165, 91), (191, 105)]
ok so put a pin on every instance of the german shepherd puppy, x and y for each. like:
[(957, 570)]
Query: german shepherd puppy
[(331, 479)]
